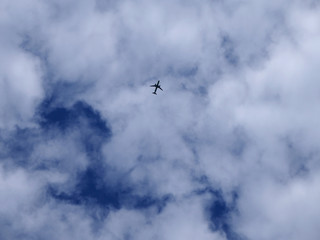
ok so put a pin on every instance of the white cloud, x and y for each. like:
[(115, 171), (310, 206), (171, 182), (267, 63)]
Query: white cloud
[(249, 126), (179, 220), (270, 209), (20, 84), (20, 72)]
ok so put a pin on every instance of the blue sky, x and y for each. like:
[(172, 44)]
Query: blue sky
[(228, 151)]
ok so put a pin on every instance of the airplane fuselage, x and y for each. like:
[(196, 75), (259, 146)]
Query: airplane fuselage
[(157, 85)]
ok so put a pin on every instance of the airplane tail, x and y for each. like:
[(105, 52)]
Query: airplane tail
[(155, 93)]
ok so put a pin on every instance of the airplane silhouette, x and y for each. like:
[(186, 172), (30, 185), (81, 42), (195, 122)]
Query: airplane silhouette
[(156, 87)]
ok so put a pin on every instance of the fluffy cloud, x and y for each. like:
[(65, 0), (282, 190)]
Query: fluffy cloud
[(227, 151), (20, 86), (178, 220)]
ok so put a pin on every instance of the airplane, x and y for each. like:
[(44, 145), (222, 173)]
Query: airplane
[(156, 87)]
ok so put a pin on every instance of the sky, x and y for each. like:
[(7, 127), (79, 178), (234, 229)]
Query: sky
[(228, 151)]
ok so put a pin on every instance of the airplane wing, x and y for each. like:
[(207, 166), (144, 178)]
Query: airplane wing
[(161, 88), (153, 85)]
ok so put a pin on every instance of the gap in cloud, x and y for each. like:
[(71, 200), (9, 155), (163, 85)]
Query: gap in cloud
[(218, 210), (56, 121), (80, 114), (220, 214), (147, 201), (92, 188), (93, 131)]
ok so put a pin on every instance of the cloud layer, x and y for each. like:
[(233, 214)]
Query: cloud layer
[(229, 149)]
